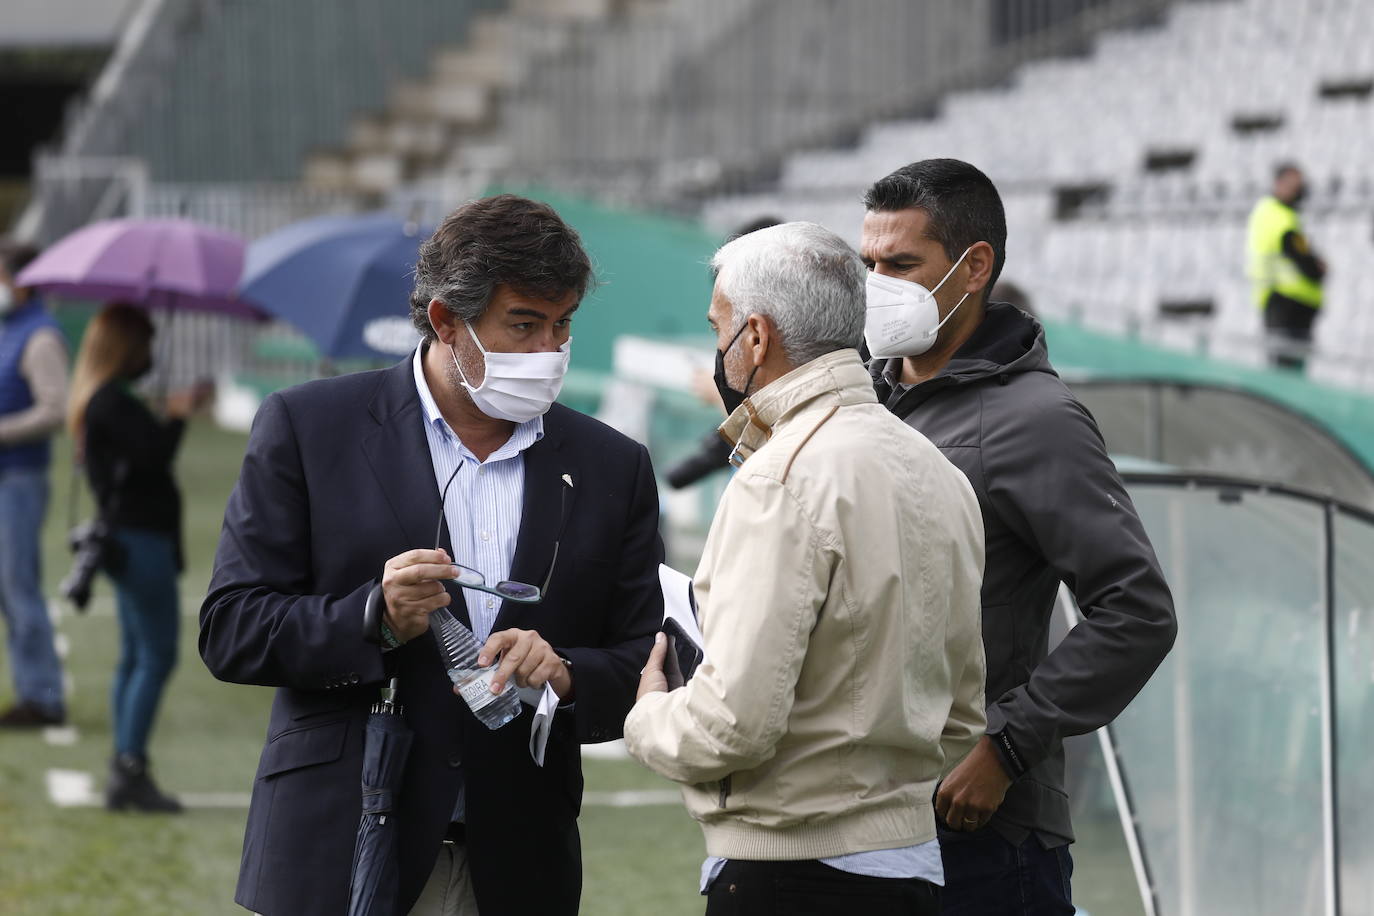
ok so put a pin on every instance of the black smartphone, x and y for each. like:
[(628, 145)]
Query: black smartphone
[(683, 655)]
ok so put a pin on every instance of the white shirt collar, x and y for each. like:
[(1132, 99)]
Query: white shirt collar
[(522, 437)]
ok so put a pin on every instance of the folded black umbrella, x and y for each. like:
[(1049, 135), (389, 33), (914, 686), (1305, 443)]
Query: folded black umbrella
[(386, 744)]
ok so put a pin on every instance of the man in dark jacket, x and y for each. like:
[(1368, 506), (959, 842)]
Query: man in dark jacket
[(975, 378), (346, 482)]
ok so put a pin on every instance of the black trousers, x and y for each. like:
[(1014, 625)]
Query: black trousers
[(1289, 324), (985, 875), (811, 888)]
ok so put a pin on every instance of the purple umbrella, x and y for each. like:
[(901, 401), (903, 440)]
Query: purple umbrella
[(174, 264)]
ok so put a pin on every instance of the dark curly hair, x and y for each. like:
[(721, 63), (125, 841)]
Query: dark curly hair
[(503, 239)]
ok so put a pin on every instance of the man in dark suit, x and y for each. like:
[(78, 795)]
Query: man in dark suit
[(340, 495)]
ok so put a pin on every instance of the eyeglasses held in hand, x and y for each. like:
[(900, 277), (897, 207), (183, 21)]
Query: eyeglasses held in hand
[(511, 591), (519, 592)]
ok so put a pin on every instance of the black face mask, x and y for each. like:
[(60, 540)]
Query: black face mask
[(729, 396)]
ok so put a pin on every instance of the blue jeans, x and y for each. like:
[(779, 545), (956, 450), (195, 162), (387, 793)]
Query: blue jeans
[(149, 617), (37, 672), (985, 875)]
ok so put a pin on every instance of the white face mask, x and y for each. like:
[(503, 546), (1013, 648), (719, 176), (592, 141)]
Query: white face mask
[(6, 299), (517, 386), (903, 318)]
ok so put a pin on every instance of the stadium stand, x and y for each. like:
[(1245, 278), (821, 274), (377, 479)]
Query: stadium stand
[(229, 91), (1127, 169), (645, 102), (1128, 173), (672, 99)]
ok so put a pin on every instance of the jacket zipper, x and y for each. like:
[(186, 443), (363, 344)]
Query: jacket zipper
[(724, 791)]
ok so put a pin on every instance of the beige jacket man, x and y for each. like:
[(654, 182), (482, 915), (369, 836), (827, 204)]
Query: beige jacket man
[(838, 593)]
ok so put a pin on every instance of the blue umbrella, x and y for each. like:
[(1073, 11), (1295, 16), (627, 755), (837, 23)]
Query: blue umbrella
[(386, 745), (343, 281)]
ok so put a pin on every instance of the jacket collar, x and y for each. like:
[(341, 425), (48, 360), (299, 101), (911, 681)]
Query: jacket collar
[(398, 452), (522, 436), (397, 399), (838, 377), (1007, 342)]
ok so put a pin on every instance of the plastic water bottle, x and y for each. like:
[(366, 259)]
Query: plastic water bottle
[(459, 649)]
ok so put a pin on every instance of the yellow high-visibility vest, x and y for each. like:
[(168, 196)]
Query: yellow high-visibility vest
[(1270, 270)]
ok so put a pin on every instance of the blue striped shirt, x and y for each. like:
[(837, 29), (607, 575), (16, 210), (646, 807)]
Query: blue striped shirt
[(483, 508), (484, 502)]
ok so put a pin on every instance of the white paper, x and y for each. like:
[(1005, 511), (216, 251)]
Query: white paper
[(677, 604), (545, 703)]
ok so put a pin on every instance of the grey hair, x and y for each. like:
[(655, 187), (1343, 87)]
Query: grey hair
[(802, 276)]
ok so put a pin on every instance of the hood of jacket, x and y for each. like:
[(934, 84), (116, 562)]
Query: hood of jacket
[(1008, 342)]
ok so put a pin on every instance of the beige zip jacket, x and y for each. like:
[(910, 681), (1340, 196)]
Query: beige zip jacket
[(839, 599)]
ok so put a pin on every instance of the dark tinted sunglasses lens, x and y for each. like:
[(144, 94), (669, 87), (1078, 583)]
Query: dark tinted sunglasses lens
[(517, 591)]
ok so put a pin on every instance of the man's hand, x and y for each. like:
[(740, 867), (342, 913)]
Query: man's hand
[(412, 589), (973, 792), (526, 656), (651, 676)]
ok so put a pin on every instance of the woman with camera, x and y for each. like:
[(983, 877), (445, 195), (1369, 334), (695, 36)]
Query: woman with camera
[(128, 454)]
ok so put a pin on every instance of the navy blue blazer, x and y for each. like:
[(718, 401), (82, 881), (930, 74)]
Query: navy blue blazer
[(336, 480)]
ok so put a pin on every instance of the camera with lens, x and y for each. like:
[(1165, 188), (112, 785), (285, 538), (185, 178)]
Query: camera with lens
[(93, 548)]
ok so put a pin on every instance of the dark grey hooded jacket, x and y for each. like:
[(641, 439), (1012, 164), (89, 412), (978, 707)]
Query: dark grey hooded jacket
[(1054, 509)]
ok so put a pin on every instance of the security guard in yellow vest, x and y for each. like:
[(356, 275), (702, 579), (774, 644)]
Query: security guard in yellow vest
[(1286, 273)]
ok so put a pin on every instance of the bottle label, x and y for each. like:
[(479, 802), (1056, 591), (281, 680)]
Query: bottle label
[(476, 690)]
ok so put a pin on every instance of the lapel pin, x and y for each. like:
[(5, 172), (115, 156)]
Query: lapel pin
[(567, 478)]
